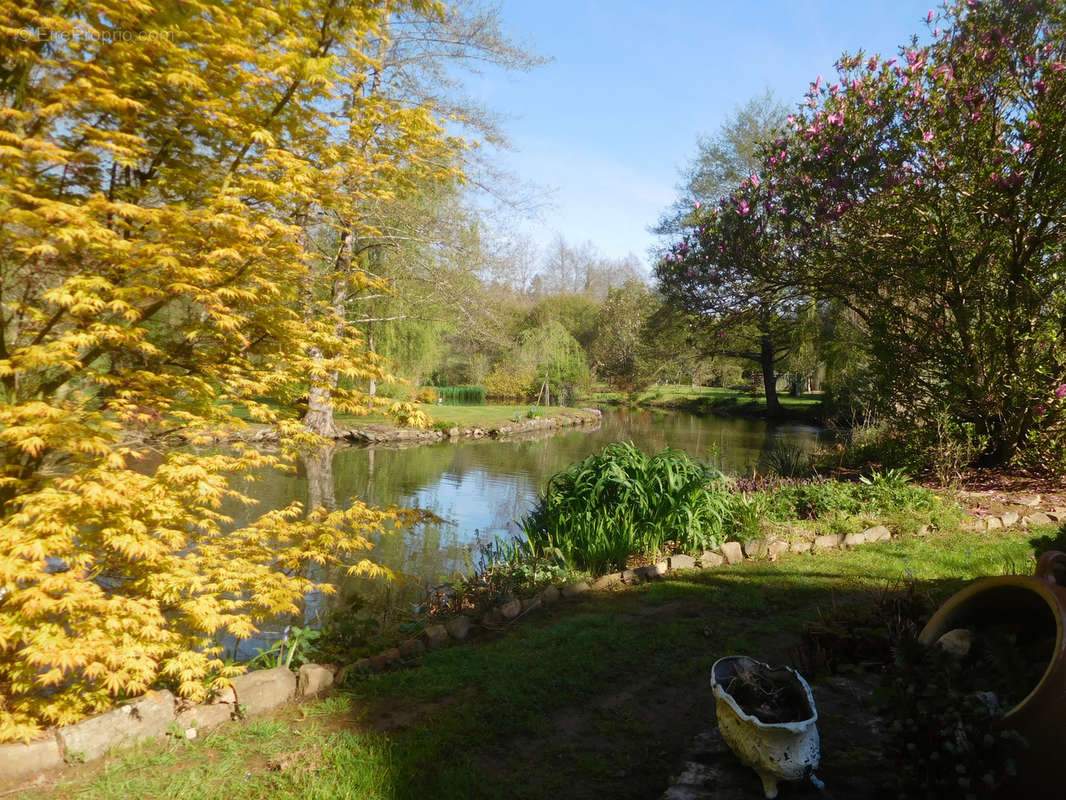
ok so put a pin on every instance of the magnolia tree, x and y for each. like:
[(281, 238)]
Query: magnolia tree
[(159, 166), (731, 273), (927, 192), (724, 269)]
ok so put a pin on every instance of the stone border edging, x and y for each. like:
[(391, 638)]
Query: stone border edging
[(504, 615), (159, 714)]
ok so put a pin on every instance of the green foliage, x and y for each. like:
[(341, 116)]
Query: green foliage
[(622, 502), (510, 568), (577, 313), (471, 395), (348, 632), (557, 362), (296, 647), (882, 493), (916, 193), (617, 352), (746, 512), (941, 447)]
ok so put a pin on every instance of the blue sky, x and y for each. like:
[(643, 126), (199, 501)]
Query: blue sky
[(610, 121)]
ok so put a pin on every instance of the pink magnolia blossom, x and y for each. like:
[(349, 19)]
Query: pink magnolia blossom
[(1060, 392)]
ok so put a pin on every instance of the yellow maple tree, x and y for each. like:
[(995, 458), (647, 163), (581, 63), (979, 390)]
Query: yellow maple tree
[(160, 165)]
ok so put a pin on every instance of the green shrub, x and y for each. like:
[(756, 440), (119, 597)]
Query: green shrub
[(298, 646), (621, 502)]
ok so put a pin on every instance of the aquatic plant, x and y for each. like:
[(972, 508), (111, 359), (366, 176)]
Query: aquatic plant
[(621, 502)]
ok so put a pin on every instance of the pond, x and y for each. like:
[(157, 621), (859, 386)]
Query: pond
[(482, 488)]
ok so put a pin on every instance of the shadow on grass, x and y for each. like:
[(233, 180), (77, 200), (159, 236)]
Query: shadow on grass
[(593, 699)]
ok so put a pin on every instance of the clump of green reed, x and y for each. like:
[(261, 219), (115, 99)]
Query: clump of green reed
[(787, 461), (474, 395), (621, 502)]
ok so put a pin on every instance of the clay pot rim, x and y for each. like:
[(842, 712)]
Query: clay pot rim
[(931, 632)]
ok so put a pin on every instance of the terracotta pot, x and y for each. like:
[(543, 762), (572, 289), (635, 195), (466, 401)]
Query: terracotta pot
[(1038, 604)]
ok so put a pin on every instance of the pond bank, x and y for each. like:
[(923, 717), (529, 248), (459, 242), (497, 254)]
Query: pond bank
[(719, 402), (487, 425), (384, 433)]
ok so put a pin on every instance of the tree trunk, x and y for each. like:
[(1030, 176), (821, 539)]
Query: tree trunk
[(766, 361), (319, 417), (318, 464), (373, 389)]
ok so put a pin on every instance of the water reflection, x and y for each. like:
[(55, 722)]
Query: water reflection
[(483, 488)]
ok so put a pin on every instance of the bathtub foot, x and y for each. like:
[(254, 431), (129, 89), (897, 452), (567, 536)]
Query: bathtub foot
[(769, 785)]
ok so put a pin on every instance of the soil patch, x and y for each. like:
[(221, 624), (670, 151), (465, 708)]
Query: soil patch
[(773, 696)]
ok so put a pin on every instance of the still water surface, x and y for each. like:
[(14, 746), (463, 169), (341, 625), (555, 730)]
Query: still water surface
[(483, 488)]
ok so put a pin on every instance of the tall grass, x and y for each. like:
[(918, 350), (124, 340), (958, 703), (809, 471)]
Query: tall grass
[(474, 395), (622, 502)]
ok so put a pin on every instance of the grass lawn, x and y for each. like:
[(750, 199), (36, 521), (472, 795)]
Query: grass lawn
[(593, 699), (706, 397)]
